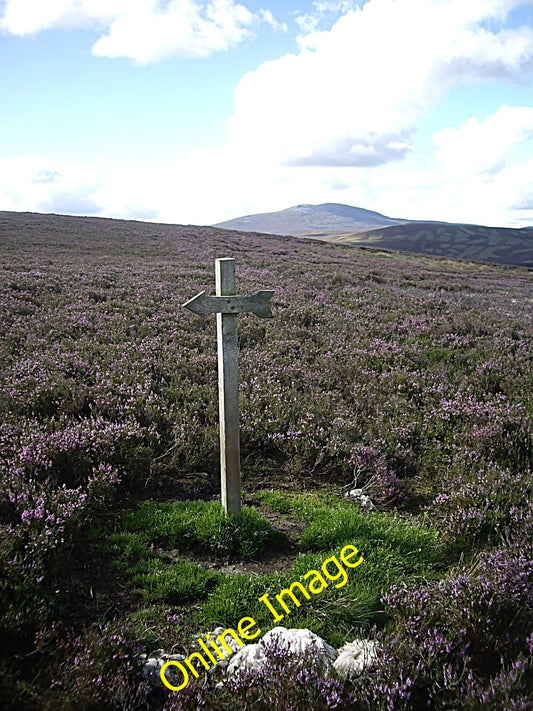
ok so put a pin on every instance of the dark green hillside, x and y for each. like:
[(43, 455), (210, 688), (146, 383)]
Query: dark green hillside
[(499, 245), (345, 224)]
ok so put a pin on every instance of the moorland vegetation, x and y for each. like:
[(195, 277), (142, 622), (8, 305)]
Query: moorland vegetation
[(409, 377)]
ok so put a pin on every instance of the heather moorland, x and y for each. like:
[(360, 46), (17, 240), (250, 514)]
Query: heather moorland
[(409, 377)]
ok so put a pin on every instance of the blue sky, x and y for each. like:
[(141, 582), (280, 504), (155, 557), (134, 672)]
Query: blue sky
[(195, 112)]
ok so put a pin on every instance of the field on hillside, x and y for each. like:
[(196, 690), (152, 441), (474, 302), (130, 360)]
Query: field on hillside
[(409, 376)]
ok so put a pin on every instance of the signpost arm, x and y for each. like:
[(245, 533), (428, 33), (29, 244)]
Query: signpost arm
[(228, 391)]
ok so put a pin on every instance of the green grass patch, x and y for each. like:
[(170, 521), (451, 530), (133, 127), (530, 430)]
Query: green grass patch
[(238, 596), (130, 547), (395, 551), (186, 527), (157, 625), (154, 577), (202, 526), (184, 582), (334, 522)]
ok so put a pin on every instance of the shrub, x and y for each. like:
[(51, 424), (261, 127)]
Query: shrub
[(284, 683), (460, 641), (100, 670)]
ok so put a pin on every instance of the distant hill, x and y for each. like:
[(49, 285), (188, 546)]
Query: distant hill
[(312, 221), (498, 245), (355, 225)]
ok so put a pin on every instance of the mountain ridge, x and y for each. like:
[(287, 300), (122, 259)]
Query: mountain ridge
[(301, 220), (331, 222)]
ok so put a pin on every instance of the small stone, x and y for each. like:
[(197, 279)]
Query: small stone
[(361, 497), (228, 639), (353, 494), (152, 666), (173, 657), (354, 657)]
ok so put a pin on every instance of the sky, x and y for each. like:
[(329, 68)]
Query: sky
[(191, 112)]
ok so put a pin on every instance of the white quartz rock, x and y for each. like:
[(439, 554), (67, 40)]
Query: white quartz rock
[(249, 658), (301, 641), (228, 639), (152, 665), (298, 641), (361, 497), (354, 657)]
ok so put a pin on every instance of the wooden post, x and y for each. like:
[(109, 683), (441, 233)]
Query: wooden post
[(228, 391), (227, 305)]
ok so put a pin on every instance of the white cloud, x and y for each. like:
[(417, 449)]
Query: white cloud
[(184, 29), (27, 17), (514, 187), (483, 146), (322, 12), (142, 30), (211, 187), (426, 192), (267, 17), (334, 121), (354, 94), (38, 184)]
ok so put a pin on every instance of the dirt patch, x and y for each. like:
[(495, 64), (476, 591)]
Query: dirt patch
[(275, 559), (273, 564)]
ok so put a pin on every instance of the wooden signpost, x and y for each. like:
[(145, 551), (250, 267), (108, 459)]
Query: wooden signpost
[(227, 305)]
